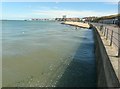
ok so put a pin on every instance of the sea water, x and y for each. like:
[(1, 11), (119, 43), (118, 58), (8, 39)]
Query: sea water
[(47, 54)]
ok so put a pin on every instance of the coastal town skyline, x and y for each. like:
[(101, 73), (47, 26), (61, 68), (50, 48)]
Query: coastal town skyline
[(27, 10)]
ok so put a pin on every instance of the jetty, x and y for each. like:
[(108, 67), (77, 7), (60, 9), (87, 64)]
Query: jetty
[(77, 24)]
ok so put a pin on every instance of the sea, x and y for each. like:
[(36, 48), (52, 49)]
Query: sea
[(47, 54)]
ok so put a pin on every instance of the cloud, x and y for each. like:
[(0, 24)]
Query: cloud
[(112, 3), (71, 13)]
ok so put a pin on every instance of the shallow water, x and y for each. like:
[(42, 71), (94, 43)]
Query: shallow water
[(48, 54)]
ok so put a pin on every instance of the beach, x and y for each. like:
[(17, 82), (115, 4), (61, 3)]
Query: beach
[(77, 24)]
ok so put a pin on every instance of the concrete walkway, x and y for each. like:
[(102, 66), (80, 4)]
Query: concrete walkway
[(115, 61)]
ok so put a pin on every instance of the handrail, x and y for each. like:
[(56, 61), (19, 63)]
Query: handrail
[(110, 34), (114, 32), (114, 37)]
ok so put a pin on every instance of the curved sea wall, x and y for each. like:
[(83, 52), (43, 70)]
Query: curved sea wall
[(106, 76)]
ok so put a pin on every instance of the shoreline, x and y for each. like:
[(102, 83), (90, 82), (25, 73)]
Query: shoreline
[(77, 24)]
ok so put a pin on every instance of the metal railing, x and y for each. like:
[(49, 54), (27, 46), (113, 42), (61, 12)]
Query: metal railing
[(112, 36)]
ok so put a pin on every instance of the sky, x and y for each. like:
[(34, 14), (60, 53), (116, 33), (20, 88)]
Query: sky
[(27, 10)]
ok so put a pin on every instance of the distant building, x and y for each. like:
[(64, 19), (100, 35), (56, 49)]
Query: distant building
[(89, 19), (64, 16), (72, 19), (110, 21), (40, 19), (68, 19)]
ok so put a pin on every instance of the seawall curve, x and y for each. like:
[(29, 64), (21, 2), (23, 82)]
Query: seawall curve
[(106, 76)]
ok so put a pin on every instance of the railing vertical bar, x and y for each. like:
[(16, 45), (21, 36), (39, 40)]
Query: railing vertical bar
[(104, 30), (107, 33), (119, 42), (118, 52), (111, 38)]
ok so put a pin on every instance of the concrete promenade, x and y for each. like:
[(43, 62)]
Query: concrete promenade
[(107, 46), (111, 49)]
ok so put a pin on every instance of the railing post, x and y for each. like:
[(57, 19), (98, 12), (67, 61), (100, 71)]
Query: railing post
[(118, 42), (106, 33), (104, 30), (101, 28), (118, 51), (111, 38)]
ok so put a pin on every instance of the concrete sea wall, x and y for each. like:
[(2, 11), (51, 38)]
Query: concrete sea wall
[(106, 76)]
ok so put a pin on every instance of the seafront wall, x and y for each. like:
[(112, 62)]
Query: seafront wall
[(106, 76)]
